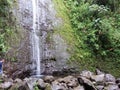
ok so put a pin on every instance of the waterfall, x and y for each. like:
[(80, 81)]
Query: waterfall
[(43, 48), (43, 16), (35, 38)]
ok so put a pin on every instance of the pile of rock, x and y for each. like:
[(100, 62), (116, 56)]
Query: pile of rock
[(85, 81)]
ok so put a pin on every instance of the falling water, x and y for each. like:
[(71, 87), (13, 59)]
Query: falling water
[(35, 37), (46, 51), (43, 21)]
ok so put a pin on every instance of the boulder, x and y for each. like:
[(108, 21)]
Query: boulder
[(118, 80), (24, 87), (112, 87), (109, 83), (6, 85), (17, 80), (48, 87), (79, 88), (21, 73), (98, 72), (21, 86), (14, 87), (48, 79), (86, 74), (88, 85), (59, 86), (8, 80), (26, 79), (61, 80), (5, 78), (68, 78), (4, 75), (41, 84), (71, 81), (118, 85), (100, 87), (109, 78), (98, 78), (18, 84), (64, 71), (30, 83), (100, 81)]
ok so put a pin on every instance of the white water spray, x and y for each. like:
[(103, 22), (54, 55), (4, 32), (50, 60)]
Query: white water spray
[(43, 18), (35, 38)]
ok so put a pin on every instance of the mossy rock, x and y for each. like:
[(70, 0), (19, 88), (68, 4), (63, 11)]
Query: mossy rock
[(48, 87)]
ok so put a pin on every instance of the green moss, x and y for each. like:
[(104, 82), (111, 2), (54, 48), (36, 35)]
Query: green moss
[(82, 55), (48, 87), (109, 67), (65, 29)]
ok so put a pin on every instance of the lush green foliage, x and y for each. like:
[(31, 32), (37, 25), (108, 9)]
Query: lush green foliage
[(96, 25), (36, 87), (5, 25)]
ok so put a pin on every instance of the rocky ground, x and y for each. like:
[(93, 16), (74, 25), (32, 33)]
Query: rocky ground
[(86, 80)]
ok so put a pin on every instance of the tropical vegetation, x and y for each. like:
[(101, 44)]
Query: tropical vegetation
[(96, 25)]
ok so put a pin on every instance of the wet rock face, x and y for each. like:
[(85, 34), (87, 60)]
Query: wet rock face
[(24, 14), (53, 47), (19, 44), (79, 82), (15, 70)]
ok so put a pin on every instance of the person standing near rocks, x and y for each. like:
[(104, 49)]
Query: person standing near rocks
[(1, 66)]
